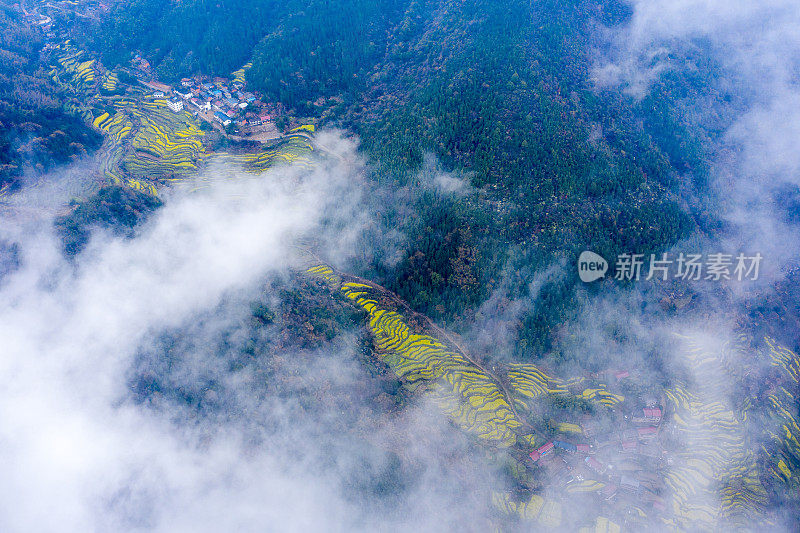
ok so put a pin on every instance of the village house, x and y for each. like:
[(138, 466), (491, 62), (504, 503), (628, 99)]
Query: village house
[(584, 448), (541, 451), (647, 433), (652, 414), (222, 118), (595, 465), (175, 105), (565, 446)]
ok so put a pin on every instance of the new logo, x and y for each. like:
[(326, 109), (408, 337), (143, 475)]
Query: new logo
[(591, 266)]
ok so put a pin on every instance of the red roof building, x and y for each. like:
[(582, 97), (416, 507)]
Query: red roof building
[(583, 448), (545, 448), (648, 432), (653, 413), (595, 465)]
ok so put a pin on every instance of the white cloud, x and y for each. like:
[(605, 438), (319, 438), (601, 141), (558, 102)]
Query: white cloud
[(757, 47), (69, 437), (82, 452)]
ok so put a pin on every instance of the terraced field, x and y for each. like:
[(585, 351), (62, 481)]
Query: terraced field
[(293, 148), (492, 408), (76, 69), (239, 75), (712, 462), (546, 512), (110, 81), (715, 478), (711, 480), (473, 397), (530, 383), (147, 145), (166, 145), (782, 447)]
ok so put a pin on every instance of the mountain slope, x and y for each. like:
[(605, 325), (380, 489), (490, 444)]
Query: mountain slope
[(499, 93)]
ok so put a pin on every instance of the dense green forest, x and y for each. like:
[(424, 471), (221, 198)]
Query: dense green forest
[(35, 131), (499, 92), (113, 207), (180, 38)]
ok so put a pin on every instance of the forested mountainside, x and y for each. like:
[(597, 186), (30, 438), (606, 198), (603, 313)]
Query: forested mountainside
[(320, 274), (498, 92), (35, 130)]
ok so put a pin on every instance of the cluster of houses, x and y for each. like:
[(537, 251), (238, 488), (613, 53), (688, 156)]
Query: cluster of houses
[(217, 99), (39, 19), (226, 101), (213, 99), (142, 64), (618, 462)]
